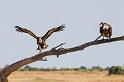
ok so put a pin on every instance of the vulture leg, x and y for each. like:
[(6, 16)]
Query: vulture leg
[(103, 38), (109, 37), (98, 37), (39, 48)]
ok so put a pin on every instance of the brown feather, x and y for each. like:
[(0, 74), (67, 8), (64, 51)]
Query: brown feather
[(105, 32), (51, 31), (40, 40), (19, 29)]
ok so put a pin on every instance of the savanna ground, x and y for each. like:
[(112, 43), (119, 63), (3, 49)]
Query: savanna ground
[(63, 76)]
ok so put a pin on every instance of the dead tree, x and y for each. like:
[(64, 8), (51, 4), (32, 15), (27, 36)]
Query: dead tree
[(4, 73)]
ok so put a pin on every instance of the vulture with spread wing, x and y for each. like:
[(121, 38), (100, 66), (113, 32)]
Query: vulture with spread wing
[(41, 41), (105, 30)]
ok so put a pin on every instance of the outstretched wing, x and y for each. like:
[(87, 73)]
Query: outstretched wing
[(57, 29), (19, 29)]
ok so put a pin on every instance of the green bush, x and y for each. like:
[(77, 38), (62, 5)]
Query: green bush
[(116, 70)]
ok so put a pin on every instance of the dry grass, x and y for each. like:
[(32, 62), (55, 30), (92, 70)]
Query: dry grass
[(63, 76)]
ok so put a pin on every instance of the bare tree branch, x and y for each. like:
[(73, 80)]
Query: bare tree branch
[(54, 51)]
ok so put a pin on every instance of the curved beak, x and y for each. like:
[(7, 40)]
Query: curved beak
[(101, 24)]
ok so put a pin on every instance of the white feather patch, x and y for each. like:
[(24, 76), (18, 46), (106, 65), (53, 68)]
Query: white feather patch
[(105, 26)]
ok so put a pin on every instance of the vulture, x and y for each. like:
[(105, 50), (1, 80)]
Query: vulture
[(41, 41), (105, 30)]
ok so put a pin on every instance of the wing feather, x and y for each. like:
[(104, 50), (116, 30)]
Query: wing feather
[(51, 31), (101, 30), (19, 29), (110, 31)]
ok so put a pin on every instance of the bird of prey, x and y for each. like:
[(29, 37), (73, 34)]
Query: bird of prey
[(105, 30), (41, 41)]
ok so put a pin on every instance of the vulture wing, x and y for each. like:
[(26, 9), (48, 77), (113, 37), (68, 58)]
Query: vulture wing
[(19, 29), (110, 30), (51, 31), (101, 30)]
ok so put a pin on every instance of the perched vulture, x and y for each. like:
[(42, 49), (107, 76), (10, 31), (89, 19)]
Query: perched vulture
[(41, 41), (105, 30)]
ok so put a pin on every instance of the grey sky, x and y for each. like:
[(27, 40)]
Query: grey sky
[(81, 17)]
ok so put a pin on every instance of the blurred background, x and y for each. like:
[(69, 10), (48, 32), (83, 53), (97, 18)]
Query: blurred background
[(81, 17)]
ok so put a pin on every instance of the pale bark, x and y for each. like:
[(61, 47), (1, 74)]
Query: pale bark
[(54, 51)]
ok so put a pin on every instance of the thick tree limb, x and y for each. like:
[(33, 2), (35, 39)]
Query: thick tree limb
[(13, 67)]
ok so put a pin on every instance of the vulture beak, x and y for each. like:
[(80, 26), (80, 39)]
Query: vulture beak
[(101, 23)]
